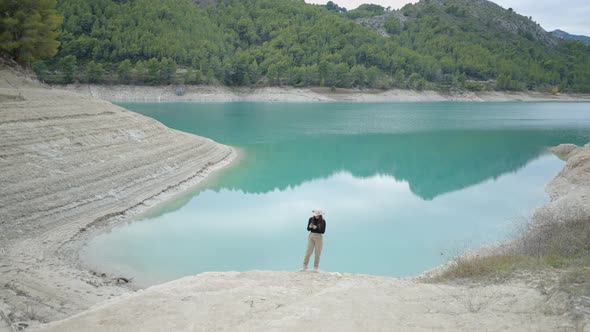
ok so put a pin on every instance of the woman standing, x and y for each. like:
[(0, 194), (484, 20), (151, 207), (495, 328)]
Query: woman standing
[(316, 225)]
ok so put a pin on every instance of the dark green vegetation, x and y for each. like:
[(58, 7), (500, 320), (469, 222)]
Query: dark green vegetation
[(28, 29), (565, 35), (434, 44), (366, 10)]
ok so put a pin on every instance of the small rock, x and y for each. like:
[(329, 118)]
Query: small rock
[(122, 280), (21, 326)]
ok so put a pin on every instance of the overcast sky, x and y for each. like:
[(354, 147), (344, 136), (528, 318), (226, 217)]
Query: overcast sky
[(572, 16)]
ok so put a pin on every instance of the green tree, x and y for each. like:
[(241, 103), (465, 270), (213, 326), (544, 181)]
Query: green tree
[(358, 75), (373, 76), (94, 72), (153, 71), (416, 82), (124, 71), (29, 28), (393, 25), (240, 69), (189, 76), (272, 75), (365, 10), (342, 77), (140, 71), (167, 70), (40, 69), (68, 68), (331, 6)]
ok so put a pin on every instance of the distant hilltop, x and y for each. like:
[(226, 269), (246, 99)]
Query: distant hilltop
[(564, 35), (473, 16)]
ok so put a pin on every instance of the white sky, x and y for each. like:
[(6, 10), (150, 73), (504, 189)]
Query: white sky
[(572, 16)]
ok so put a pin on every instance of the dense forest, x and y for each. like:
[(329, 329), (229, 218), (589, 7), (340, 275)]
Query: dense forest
[(433, 44)]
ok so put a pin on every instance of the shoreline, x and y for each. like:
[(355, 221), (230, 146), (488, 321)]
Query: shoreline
[(70, 249), (202, 93), (259, 298), (72, 164), (42, 276)]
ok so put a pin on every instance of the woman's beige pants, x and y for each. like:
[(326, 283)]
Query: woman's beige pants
[(314, 242)]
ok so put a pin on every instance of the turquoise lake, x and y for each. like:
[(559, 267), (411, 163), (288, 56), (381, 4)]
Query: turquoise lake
[(405, 186)]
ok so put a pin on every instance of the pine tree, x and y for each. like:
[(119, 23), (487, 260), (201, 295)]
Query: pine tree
[(68, 68), (94, 72), (124, 71), (28, 29)]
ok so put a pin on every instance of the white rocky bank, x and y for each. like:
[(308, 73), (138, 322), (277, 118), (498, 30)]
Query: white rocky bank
[(68, 162)]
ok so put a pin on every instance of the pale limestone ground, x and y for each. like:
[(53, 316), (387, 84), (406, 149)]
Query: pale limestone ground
[(69, 161), (306, 301)]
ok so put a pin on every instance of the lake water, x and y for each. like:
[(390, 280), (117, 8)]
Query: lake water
[(405, 186)]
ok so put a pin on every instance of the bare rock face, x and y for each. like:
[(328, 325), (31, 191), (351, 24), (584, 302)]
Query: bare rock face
[(65, 157)]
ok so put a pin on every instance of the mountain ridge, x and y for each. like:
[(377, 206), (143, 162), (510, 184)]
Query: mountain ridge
[(565, 35), (483, 10)]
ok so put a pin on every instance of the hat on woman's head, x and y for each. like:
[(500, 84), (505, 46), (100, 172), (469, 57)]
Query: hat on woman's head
[(317, 212)]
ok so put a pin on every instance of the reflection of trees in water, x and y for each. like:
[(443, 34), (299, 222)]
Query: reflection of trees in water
[(433, 163)]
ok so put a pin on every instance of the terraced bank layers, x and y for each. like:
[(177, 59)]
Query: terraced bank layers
[(67, 161)]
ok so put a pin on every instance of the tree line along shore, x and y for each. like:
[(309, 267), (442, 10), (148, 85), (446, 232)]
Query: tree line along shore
[(440, 45)]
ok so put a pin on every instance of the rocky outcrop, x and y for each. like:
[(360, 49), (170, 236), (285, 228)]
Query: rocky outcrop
[(572, 183), (563, 151)]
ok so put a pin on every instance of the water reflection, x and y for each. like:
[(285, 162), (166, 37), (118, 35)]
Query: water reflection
[(375, 225), (436, 147), (402, 183), (433, 163)]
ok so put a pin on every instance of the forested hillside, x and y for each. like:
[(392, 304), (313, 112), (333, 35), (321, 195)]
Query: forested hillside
[(434, 44), (479, 40)]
